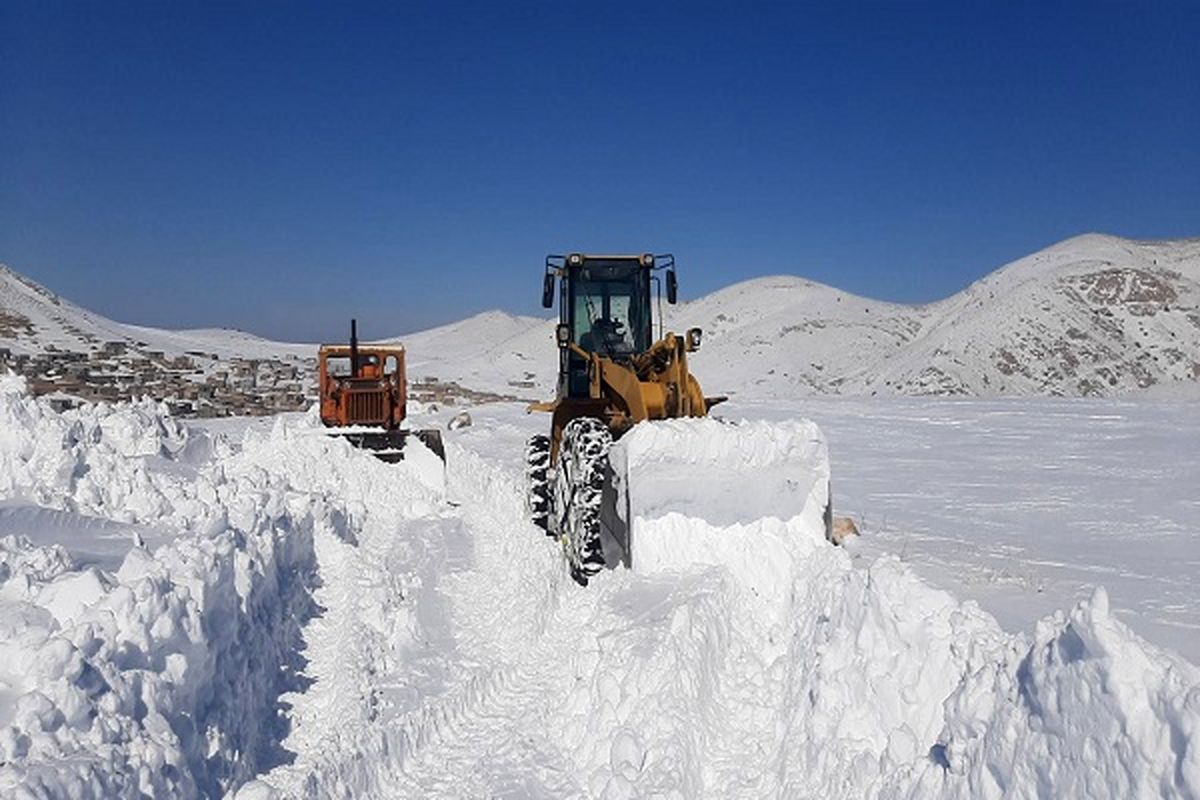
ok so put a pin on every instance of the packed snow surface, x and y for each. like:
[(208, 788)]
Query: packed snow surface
[(291, 617)]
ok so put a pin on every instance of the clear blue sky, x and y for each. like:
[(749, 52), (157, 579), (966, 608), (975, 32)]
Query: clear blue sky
[(279, 167)]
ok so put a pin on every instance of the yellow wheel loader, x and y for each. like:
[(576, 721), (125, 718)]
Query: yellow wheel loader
[(612, 375)]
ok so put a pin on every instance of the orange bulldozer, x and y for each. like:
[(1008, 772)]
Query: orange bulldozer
[(364, 396)]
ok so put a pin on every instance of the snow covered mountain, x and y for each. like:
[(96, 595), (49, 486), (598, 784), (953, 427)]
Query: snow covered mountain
[(1094, 315), (493, 351)]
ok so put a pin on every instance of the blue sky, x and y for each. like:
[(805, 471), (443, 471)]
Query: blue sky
[(279, 167)]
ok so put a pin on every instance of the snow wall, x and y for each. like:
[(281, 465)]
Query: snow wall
[(161, 678)]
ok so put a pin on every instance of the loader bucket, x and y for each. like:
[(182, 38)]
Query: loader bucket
[(708, 491)]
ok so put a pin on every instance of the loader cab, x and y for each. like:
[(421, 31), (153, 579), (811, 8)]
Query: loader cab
[(605, 307)]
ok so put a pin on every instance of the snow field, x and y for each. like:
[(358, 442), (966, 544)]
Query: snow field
[(321, 624), (1025, 506), (868, 682)]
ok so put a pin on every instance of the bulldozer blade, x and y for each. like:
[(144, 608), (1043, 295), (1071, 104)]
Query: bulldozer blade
[(432, 439), (709, 402), (389, 445)]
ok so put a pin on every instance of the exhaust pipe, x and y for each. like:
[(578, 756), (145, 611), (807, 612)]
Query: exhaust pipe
[(353, 348)]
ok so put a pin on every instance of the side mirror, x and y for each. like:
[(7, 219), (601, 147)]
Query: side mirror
[(563, 334), (693, 339), (672, 287), (548, 290)]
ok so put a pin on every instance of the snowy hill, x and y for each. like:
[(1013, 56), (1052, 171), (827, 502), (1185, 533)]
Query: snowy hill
[(33, 317), (782, 336), (493, 351), (1091, 316), (1094, 315)]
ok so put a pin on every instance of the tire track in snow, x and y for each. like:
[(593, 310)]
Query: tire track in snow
[(515, 613), (505, 635), (474, 743), (365, 593)]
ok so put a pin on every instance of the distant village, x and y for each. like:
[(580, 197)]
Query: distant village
[(193, 384)]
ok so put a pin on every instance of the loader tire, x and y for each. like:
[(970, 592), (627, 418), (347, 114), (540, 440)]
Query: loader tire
[(537, 481), (827, 517), (578, 490)]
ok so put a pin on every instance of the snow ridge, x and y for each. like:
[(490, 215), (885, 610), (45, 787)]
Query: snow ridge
[(1091, 316), (1094, 315)]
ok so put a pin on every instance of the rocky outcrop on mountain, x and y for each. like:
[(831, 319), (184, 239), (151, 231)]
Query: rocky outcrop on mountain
[(1094, 315)]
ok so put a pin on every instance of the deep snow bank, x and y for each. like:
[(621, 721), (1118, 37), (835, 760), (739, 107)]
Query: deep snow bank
[(788, 670), (160, 678), (897, 689), (795, 673), (1087, 710)]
